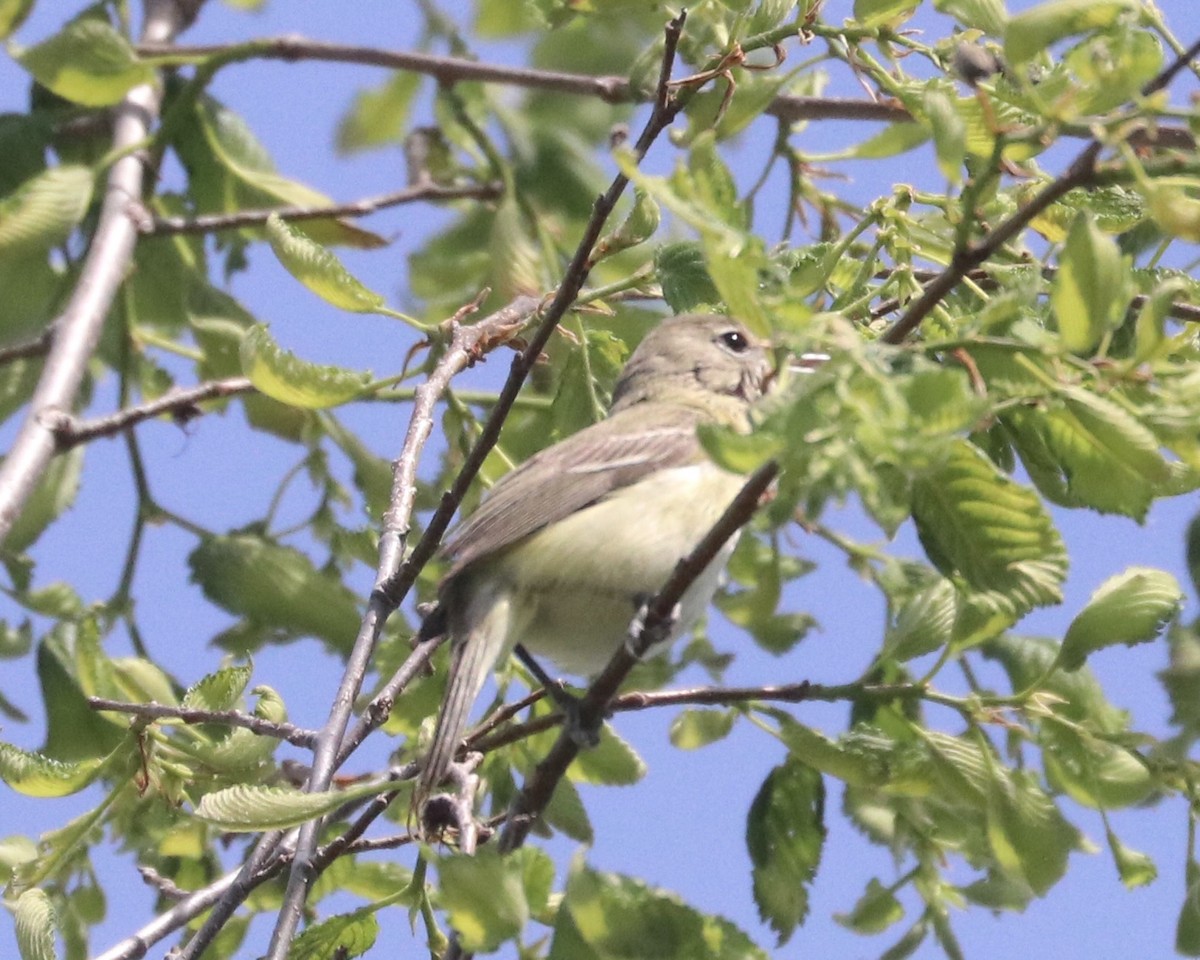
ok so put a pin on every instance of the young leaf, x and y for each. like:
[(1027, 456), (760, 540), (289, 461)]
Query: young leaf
[(87, 62), (1033, 31), (1132, 607), (283, 376), (36, 775), (43, 211), (53, 495), (321, 271), (612, 762), (35, 922), (876, 910), (252, 807), (683, 276), (346, 936), (218, 691), (785, 831), (1134, 867), (1091, 288), (693, 729)]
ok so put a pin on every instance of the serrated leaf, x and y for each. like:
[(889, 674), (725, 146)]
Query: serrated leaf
[(1029, 33), (35, 921), (980, 526), (924, 622), (220, 690), (251, 807), (612, 762), (53, 495), (36, 775), (1130, 608), (693, 729), (275, 586), (605, 916), (1093, 772), (43, 211), (1090, 290), (320, 270), (345, 936), (683, 276), (87, 62), (281, 375), (785, 832)]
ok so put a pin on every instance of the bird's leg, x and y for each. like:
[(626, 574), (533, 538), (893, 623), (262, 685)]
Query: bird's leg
[(584, 734), (645, 634)]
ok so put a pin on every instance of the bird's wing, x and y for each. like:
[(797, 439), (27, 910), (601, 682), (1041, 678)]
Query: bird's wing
[(571, 475)]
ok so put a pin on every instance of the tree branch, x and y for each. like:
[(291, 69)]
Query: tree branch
[(180, 402), (297, 736), (211, 223), (77, 329)]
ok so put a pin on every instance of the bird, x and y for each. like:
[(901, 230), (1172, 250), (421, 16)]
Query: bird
[(565, 549)]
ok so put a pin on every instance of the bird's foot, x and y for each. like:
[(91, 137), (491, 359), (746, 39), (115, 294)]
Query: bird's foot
[(647, 630)]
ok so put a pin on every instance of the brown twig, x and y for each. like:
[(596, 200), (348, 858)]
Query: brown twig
[(180, 402), (211, 223), (298, 736), (535, 795), (77, 329), (39, 346)]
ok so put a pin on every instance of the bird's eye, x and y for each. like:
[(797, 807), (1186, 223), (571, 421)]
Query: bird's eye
[(736, 341)]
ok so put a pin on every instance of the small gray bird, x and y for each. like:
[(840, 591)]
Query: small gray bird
[(563, 551)]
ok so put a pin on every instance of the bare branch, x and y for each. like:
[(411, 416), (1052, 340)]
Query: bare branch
[(180, 402), (77, 329), (161, 226), (39, 346), (297, 736)]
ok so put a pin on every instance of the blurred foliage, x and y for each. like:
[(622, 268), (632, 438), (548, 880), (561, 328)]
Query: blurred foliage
[(1060, 375)]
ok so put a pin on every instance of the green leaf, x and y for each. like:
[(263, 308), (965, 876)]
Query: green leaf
[(44, 210), (924, 622), (53, 495), (250, 807), (785, 832), (1094, 772), (1130, 608), (1090, 291), (638, 227), (344, 936), (283, 376), (875, 12), (683, 276), (876, 910), (1033, 31), (36, 775), (891, 141), (486, 895), (12, 15), (377, 117), (949, 133), (612, 762), (218, 691), (87, 62), (605, 916), (693, 729), (986, 15), (1134, 867), (35, 921), (321, 271), (992, 534), (275, 586)]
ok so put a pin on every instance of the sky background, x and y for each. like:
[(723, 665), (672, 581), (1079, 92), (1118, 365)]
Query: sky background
[(682, 826)]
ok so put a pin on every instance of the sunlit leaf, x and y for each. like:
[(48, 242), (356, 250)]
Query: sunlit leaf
[(1130, 608), (87, 62), (283, 376)]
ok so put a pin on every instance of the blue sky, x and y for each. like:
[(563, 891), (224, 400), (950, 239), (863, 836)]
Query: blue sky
[(682, 827)]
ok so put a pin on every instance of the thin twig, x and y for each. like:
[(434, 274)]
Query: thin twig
[(180, 402), (211, 223), (39, 346), (535, 795), (297, 736), (77, 329)]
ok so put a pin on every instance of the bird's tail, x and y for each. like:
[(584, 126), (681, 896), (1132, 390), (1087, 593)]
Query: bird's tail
[(477, 642)]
